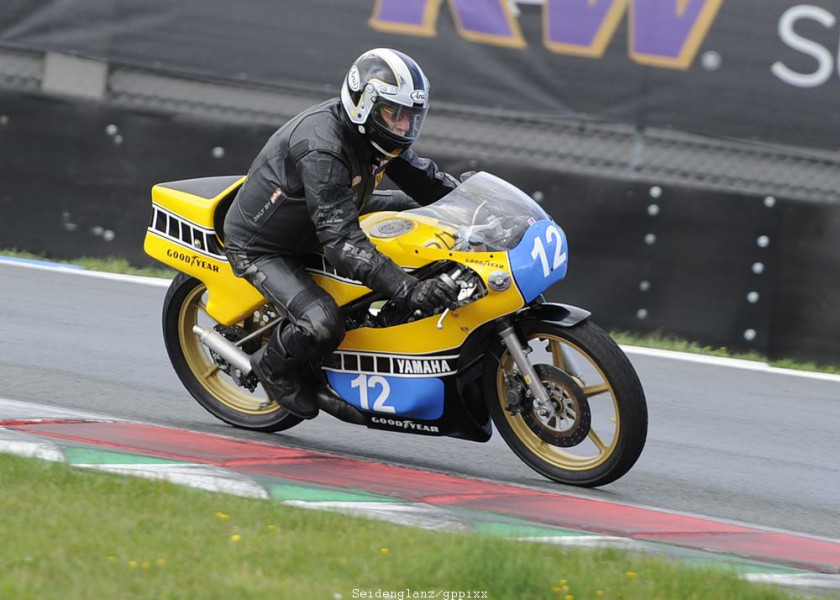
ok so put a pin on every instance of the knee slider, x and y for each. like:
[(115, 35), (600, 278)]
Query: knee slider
[(327, 327), (318, 332)]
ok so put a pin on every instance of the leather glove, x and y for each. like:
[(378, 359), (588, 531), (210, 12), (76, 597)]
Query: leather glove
[(428, 296)]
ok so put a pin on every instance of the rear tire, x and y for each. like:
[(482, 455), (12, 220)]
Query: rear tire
[(601, 378), (216, 391)]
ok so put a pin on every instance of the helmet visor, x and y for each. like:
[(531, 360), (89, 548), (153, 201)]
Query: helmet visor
[(401, 121)]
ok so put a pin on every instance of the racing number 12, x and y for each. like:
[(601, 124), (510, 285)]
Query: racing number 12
[(363, 382), (552, 235)]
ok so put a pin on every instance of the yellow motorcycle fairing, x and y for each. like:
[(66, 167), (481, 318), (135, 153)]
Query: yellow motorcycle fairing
[(183, 234), (424, 242)]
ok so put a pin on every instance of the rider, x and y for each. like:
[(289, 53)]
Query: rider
[(306, 188)]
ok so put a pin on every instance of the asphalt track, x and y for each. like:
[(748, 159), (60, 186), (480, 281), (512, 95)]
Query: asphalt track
[(746, 445)]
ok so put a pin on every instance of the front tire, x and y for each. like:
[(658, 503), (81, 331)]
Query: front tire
[(185, 306), (597, 377)]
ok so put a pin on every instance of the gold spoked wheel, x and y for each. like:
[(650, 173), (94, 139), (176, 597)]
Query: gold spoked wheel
[(203, 365), (605, 416), (186, 306), (596, 380)]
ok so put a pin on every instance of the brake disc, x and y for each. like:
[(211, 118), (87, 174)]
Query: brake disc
[(569, 420)]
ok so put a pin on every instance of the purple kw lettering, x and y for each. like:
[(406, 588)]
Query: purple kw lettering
[(669, 33), (663, 33), (581, 27), (485, 21), (416, 17)]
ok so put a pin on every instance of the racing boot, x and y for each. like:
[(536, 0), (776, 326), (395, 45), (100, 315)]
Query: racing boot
[(275, 370)]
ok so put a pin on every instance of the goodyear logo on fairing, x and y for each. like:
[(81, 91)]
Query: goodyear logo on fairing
[(663, 33), (192, 260), (406, 424)]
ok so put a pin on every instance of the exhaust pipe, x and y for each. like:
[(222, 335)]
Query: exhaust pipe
[(224, 348), (333, 404), (326, 398)]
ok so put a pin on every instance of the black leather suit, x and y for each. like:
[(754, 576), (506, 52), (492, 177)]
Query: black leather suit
[(305, 190)]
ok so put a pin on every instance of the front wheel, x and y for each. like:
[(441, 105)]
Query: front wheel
[(598, 425), (200, 371)]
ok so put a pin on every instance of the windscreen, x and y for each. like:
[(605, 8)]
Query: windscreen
[(487, 213)]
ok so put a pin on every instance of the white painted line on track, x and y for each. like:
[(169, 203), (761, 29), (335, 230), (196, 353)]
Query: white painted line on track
[(719, 361), (205, 477), (732, 363), (814, 581), (21, 444), (402, 513), (591, 541), (21, 410), (74, 270), (202, 477)]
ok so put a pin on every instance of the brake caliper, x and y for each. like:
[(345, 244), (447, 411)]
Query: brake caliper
[(515, 393)]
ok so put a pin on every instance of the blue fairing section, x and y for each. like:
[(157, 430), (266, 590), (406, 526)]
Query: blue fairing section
[(411, 397), (540, 260)]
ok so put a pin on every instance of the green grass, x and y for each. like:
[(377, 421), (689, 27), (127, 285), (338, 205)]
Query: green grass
[(73, 534)]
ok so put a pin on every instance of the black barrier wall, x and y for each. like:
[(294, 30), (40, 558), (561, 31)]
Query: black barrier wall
[(745, 272), (75, 176)]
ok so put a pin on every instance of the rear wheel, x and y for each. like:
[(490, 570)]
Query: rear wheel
[(598, 425), (203, 373)]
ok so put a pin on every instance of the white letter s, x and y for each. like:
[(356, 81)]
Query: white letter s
[(797, 42)]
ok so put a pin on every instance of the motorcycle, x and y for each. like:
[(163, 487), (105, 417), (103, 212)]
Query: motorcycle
[(558, 389)]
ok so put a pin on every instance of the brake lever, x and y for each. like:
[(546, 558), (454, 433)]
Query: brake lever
[(442, 317)]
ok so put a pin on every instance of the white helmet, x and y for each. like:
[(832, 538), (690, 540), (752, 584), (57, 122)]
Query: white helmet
[(386, 95)]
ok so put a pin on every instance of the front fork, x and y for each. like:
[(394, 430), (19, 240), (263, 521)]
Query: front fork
[(542, 400)]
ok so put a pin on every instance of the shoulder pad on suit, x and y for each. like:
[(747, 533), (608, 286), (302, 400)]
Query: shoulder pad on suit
[(318, 131)]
